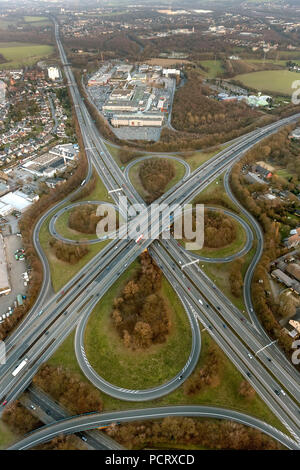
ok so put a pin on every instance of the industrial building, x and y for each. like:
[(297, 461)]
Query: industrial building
[(4, 278), (53, 162), (17, 201), (137, 120)]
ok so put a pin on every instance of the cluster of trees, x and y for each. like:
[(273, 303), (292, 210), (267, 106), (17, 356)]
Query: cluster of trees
[(207, 433), (84, 219), (205, 115), (140, 313), (19, 419), (68, 390), (219, 229), (246, 390), (236, 277), (271, 217), (155, 174), (68, 253), (206, 375), (119, 44), (69, 442)]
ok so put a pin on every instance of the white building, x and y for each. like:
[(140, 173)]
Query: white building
[(17, 201), (67, 151), (53, 73), (167, 72)]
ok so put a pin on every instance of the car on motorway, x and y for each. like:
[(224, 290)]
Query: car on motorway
[(4, 403), (250, 356), (189, 288), (200, 301), (248, 374), (224, 326), (277, 392), (180, 377), (283, 392), (32, 407)]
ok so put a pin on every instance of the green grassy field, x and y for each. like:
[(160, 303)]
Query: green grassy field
[(7, 437), (135, 179), (215, 192), (284, 173), (19, 54), (100, 193), (215, 68), (35, 19), (195, 159), (279, 81), (131, 369)]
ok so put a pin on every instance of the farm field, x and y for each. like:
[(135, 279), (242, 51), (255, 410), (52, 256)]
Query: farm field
[(279, 81), (19, 54)]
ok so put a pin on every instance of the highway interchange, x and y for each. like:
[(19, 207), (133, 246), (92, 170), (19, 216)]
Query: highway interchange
[(58, 314)]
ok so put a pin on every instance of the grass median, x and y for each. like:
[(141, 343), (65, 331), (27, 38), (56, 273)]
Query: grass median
[(136, 369)]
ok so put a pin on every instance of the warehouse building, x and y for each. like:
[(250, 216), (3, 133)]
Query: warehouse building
[(17, 201), (4, 278), (137, 120)]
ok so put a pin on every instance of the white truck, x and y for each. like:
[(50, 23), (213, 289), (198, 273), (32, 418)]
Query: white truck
[(20, 367)]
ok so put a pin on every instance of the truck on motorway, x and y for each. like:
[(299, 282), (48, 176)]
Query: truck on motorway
[(19, 300), (139, 238), (20, 367)]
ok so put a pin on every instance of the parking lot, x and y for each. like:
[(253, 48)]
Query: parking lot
[(15, 270)]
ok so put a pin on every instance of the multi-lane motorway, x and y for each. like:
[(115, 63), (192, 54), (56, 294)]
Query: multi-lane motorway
[(54, 316)]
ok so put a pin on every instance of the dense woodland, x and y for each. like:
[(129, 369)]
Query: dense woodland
[(140, 314), (207, 433), (66, 252), (204, 115), (219, 229), (68, 390), (155, 174), (84, 219)]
